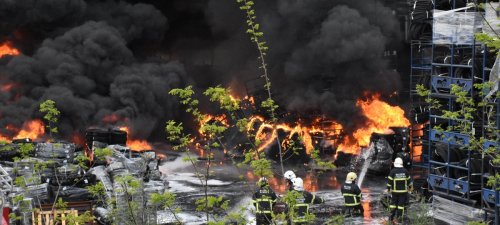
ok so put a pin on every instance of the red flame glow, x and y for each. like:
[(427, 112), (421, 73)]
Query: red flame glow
[(113, 118), (7, 87)]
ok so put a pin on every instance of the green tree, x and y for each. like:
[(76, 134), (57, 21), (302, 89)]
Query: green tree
[(257, 37), (167, 201), (51, 115)]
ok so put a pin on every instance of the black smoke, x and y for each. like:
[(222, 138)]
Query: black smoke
[(324, 54), (97, 58), (84, 62)]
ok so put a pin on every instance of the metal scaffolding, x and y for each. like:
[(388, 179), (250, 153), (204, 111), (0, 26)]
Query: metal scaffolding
[(453, 57)]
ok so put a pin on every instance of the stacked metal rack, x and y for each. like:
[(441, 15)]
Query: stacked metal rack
[(421, 68), (453, 171)]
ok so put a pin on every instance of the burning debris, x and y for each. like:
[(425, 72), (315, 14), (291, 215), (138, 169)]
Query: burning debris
[(318, 133)]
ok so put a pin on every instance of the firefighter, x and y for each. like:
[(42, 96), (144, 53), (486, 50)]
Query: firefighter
[(399, 182), (289, 176), (263, 201), (352, 195), (300, 207)]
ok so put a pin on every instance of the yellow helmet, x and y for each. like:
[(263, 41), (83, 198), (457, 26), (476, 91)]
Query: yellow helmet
[(351, 177)]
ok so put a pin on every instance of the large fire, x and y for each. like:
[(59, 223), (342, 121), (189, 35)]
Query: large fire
[(32, 129), (136, 144), (7, 49), (380, 117)]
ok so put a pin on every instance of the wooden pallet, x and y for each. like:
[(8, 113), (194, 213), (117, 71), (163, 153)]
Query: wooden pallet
[(52, 217)]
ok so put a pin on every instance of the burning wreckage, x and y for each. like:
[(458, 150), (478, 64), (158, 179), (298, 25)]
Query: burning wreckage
[(55, 170)]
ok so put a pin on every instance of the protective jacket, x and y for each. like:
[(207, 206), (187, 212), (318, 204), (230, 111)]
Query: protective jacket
[(301, 206), (351, 193), (263, 200), (399, 180)]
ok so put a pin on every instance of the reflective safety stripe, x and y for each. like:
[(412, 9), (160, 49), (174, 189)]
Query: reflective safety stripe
[(402, 208), (300, 218), (354, 199), (394, 186), (259, 201), (392, 206)]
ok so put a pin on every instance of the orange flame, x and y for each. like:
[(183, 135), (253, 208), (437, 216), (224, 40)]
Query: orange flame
[(7, 49), (266, 134), (32, 129), (380, 117), (367, 214), (250, 99), (416, 144), (136, 144), (208, 118)]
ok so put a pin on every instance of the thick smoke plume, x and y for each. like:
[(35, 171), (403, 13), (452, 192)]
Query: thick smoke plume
[(89, 57), (86, 66), (324, 54)]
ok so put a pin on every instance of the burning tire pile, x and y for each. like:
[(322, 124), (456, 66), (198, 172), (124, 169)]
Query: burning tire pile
[(52, 171)]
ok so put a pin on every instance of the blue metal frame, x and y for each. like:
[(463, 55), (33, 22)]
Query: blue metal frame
[(440, 86), (421, 70), (490, 200), (441, 74)]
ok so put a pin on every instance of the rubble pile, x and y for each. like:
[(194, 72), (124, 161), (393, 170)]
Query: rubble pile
[(53, 170)]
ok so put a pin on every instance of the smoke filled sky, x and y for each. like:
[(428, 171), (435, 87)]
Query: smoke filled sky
[(98, 58)]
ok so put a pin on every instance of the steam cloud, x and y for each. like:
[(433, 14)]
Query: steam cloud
[(324, 54)]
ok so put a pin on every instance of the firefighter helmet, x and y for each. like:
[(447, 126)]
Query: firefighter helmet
[(398, 162), (289, 175), (298, 184), (351, 177)]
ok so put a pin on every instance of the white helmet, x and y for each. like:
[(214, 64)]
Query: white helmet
[(289, 175), (398, 162), (298, 184)]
